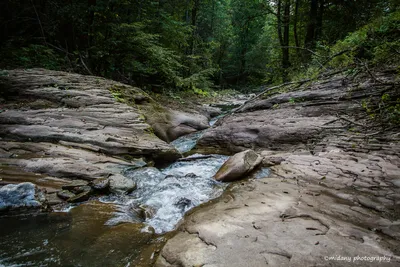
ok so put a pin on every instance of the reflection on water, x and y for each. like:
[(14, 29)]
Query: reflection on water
[(77, 238), (96, 233)]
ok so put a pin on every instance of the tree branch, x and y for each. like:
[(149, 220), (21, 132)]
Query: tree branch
[(84, 65)]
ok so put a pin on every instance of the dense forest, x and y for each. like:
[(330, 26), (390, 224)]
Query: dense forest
[(198, 44)]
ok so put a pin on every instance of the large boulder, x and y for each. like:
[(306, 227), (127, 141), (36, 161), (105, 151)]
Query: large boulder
[(21, 196), (238, 165)]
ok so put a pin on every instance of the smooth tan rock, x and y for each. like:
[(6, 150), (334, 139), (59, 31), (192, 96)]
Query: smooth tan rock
[(238, 165)]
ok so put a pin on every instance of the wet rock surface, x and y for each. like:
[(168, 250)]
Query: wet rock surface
[(65, 194), (101, 184), (23, 196), (80, 197), (332, 198)]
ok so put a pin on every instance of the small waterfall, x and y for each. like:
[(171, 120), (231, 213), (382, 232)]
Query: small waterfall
[(164, 196)]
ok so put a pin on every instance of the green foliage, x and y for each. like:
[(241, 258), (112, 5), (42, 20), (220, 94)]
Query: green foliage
[(3, 73), (195, 44), (387, 110), (378, 42), (31, 56), (197, 81)]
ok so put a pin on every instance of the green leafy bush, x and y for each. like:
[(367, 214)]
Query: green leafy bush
[(378, 43), (31, 56)]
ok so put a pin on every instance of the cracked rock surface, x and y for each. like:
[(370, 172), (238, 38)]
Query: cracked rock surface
[(58, 126), (333, 195)]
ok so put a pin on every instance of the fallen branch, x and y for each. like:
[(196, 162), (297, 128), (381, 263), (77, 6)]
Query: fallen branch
[(345, 119), (320, 103), (310, 51), (323, 75), (336, 55), (365, 65), (270, 89), (84, 65), (352, 122), (195, 158)]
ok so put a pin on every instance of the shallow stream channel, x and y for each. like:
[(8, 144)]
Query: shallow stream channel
[(118, 229)]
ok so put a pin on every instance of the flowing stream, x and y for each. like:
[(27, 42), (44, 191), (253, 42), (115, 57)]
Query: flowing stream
[(167, 194), (118, 229), (115, 230)]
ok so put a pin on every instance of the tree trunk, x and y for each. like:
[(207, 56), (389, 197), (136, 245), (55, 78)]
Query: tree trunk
[(296, 17), (279, 17), (195, 10), (285, 46), (187, 11), (243, 51), (286, 28), (309, 41), (318, 31), (91, 4)]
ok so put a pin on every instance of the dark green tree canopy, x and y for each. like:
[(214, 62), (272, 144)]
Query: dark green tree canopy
[(180, 44)]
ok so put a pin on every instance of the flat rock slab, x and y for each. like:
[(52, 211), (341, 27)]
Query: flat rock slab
[(65, 194), (293, 120), (275, 222), (61, 126), (83, 113)]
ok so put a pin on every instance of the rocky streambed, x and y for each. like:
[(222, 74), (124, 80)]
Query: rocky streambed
[(327, 190), (79, 186), (333, 196)]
